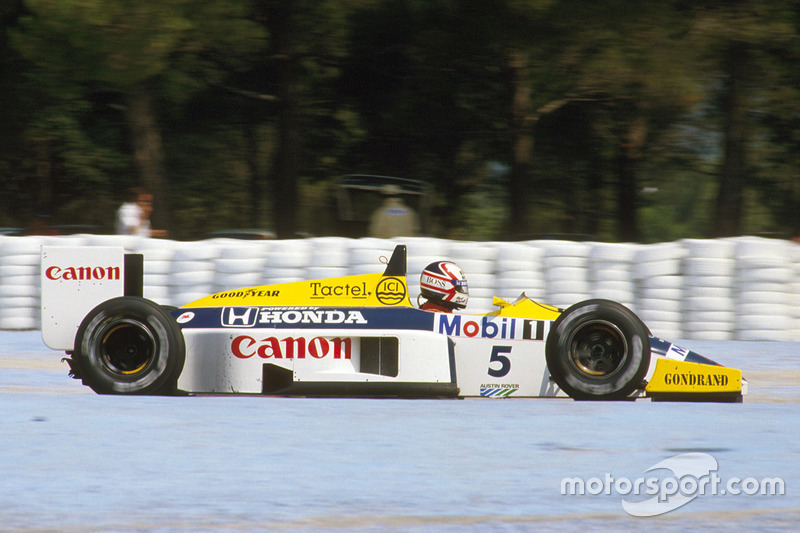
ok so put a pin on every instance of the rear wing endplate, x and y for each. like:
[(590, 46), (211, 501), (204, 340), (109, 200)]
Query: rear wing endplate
[(74, 280)]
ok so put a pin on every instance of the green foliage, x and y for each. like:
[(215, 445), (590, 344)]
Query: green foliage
[(117, 42), (421, 89)]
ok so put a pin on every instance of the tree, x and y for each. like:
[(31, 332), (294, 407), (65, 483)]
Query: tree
[(110, 46), (428, 82), (281, 22), (621, 62), (15, 110), (779, 122), (545, 115), (306, 43), (738, 38), (140, 59)]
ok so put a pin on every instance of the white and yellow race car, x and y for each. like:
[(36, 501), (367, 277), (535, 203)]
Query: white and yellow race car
[(353, 336)]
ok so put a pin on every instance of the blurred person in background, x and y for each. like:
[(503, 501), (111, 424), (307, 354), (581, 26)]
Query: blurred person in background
[(133, 216), (393, 218)]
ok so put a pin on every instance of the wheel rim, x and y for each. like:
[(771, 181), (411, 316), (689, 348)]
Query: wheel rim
[(127, 347), (598, 349)]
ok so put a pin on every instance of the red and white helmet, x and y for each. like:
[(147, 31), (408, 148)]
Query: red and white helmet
[(443, 283)]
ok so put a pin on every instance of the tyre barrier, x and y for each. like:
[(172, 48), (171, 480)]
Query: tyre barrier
[(744, 288)]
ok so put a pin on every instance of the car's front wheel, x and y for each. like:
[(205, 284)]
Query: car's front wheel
[(598, 350)]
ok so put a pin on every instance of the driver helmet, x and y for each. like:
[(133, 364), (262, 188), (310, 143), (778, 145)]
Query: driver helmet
[(443, 283)]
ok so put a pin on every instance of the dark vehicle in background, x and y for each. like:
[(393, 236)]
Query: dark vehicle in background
[(359, 195)]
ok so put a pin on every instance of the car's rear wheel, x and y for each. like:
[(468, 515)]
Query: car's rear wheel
[(598, 350), (129, 345)]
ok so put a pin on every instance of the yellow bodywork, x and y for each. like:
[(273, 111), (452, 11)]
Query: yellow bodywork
[(683, 377), (524, 307), (366, 290)]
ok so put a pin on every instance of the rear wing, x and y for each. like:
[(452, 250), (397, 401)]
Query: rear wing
[(74, 280)]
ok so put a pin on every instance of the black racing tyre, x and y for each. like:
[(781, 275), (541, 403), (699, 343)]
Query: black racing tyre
[(129, 345), (598, 350)]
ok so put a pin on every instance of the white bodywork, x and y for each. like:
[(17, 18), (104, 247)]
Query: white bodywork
[(74, 281), (231, 361), (480, 361), (211, 365)]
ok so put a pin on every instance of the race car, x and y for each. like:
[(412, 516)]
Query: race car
[(353, 336)]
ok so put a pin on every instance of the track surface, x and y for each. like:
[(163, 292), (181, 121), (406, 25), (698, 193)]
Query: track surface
[(75, 461)]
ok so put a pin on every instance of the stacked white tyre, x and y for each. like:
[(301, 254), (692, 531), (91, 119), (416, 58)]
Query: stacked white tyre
[(239, 264), (329, 257), (656, 270), (287, 261), (610, 273), (794, 290), (130, 243), (192, 272), (764, 289), (20, 266), (158, 255), (519, 270), (368, 255), (709, 270), (566, 272)]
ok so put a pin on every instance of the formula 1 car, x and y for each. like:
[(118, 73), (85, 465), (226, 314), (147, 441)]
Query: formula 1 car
[(353, 336)]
